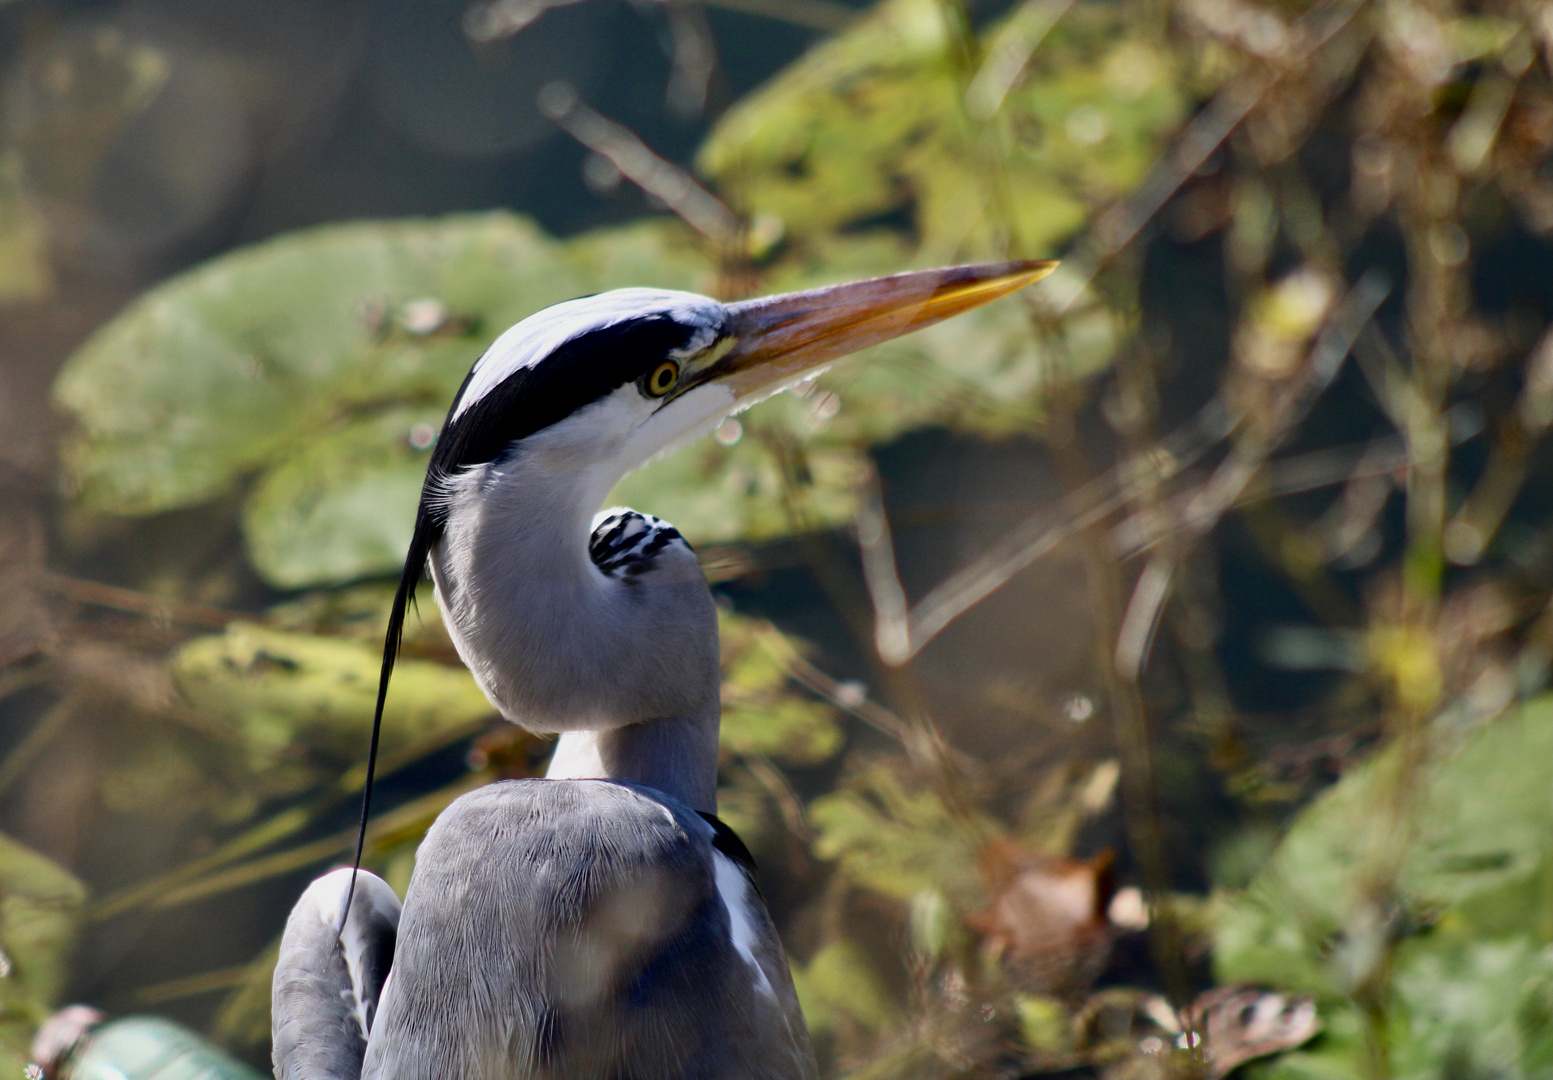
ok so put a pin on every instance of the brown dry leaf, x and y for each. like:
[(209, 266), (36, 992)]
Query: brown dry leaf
[(1047, 917), (1239, 1024)]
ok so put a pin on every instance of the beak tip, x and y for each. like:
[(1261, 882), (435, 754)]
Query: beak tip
[(1032, 270)]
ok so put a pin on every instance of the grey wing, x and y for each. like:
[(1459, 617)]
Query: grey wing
[(575, 929), (329, 977)]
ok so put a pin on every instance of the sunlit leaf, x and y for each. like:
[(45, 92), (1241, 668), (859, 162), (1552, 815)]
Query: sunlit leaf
[(897, 838), (343, 505), (281, 690), (762, 713), (25, 273), (872, 123), (222, 370), (1478, 867), (308, 359), (40, 911)]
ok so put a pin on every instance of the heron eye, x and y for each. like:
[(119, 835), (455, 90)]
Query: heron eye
[(662, 379)]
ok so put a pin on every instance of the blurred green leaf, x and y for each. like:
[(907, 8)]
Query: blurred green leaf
[(1044, 1023), (223, 369), (307, 359), (40, 913), (25, 272), (1335, 1054), (714, 493), (343, 503), (319, 364), (1480, 861), (762, 713), (898, 838), (1467, 1003), (282, 690), (839, 979), (872, 123)]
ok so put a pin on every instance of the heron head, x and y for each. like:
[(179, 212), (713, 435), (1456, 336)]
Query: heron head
[(612, 380)]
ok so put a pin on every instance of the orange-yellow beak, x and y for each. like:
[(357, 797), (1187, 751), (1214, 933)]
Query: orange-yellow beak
[(779, 339)]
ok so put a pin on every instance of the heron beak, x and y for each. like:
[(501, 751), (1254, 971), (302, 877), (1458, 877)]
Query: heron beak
[(777, 340)]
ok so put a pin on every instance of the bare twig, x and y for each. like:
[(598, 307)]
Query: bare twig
[(396, 826), (769, 777), (22, 678), (1044, 530), (206, 982), (814, 14), (1246, 458), (846, 696), (695, 58), (892, 636), (1140, 622), (33, 743), (1009, 53), (156, 608), (1120, 225), (277, 828), (497, 20), (662, 179)]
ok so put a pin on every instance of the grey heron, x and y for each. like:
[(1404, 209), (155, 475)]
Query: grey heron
[(601, 922)]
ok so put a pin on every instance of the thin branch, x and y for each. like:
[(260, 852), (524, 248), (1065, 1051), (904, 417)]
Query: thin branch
[(1229, 481), (1135, 639), (497, 20), (892, 634), (42, 733), (695, 58), (1010, 53), (1207, 131), (286, 823), (206, 982), (387, 830), (771, 778), (22, 678), (662, 179), (814, 14), (847, 696), (1043, 531), (155, 608)]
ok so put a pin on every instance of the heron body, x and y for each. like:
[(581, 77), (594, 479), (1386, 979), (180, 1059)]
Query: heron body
[(600, 923)]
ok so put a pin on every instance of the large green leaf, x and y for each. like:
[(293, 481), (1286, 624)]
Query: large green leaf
[(874, 122), (40, 911), (343, 503), (307, 360), (222, 370), (281, 690), (1477, 867)]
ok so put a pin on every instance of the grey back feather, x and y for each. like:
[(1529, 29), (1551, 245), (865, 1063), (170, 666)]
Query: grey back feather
[(573, 930), (329, 976)]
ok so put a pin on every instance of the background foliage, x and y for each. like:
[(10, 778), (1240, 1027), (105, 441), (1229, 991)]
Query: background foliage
[(1143, 677)]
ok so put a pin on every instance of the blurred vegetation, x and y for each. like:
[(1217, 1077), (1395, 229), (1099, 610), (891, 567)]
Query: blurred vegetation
[(1143, 677)]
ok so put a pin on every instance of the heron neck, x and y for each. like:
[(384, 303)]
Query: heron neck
[(625, 670), (677, 756)]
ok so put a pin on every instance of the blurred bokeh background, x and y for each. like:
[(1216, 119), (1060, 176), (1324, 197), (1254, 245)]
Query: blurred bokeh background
[(1142, 677)]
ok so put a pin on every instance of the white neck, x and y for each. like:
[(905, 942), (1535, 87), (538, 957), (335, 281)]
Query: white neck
[(677, 756), (627, 670)]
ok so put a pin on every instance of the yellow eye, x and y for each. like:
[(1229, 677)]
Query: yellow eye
[(662, 379)]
